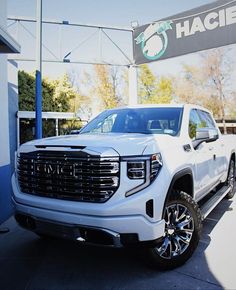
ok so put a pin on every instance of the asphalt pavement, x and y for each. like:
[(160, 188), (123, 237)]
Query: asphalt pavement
[(30, 262)]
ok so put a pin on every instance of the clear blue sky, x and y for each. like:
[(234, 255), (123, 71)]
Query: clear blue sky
[(107, 12)]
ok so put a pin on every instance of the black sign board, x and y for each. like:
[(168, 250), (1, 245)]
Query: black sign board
[(209, 26)]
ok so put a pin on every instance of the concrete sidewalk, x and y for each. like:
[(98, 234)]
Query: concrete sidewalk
[(29, 262)]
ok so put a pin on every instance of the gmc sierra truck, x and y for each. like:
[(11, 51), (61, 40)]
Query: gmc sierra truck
[(144, 175)]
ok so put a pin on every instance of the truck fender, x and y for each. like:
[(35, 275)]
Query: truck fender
[(176, 177)]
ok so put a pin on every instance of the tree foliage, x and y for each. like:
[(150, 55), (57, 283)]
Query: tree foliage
[(208, 84), (57, 95), (153, 90), (147, 83), (105, 86)]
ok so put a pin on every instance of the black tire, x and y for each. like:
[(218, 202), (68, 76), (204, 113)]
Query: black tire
[(231, 179), (44, 236), (180, 241)]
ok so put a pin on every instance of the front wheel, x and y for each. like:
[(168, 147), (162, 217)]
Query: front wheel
[(231, 179), (182, 232)]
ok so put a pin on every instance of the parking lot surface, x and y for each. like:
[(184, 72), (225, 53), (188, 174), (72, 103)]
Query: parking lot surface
[(30, 262)]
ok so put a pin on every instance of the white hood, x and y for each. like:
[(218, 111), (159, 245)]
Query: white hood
[(123, 144)]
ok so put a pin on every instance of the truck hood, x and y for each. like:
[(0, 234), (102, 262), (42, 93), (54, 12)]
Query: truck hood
[(124, 144)]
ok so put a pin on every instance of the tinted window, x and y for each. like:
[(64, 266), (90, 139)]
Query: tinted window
[(206, 119), (199, 119), (105, 125), (140, 120), (194, 123)]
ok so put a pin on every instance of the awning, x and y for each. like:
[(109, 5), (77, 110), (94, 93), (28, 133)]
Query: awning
[(8, 43)]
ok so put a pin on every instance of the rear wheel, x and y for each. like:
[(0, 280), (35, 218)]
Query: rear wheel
[(231, 179), (182, 232)]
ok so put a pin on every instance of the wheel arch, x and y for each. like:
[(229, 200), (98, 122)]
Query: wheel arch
[(232, 156), (181, 181)]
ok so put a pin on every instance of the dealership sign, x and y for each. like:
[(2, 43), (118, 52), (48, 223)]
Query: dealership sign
[(202, 28)]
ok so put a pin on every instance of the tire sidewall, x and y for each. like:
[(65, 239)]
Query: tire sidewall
[(188, 202), (232, 191)]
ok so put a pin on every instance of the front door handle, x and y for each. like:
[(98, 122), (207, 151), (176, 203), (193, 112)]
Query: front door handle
[(211, 148)]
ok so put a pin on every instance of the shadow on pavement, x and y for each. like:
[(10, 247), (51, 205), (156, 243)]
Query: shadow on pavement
[(29, 262)]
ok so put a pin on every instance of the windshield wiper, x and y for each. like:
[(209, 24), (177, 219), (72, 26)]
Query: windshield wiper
[(139, 132)]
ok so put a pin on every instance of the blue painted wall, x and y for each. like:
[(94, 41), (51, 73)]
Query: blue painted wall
[(6, 208)]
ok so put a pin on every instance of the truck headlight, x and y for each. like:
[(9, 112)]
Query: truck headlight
[(145, 168), (136, 169), (156, 164)]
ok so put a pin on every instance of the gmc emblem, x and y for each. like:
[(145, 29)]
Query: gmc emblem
[(54, 169)]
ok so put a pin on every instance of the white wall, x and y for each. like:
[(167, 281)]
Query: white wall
[(4, 118)]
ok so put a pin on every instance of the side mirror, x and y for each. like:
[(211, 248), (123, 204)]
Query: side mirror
[(205, 135)]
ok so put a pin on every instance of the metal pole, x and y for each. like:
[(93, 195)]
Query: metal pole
[(100, 44), (65, 22), (133, 85), (59, 40), (38, 89), (57, 127)]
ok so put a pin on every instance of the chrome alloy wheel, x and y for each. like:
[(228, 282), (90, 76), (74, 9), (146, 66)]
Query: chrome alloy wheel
[(179, 228)]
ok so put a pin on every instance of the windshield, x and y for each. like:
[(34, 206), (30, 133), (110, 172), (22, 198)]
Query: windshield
[(140, 120)]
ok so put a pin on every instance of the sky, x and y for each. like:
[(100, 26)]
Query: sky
[(61, 40)]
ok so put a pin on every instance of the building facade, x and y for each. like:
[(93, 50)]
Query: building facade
[(8, 109)]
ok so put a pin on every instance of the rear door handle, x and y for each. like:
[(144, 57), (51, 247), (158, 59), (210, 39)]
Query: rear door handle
[(211, 148)]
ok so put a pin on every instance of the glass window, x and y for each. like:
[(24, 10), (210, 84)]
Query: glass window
[(206, 119), (105, 125), (194, 123), (140, 120), (199, 119)]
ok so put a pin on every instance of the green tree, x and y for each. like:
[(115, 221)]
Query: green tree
[(26, 87), (26, 90), (65, 96), (147, 84), (163, 93), (106, 86), (153, 90), (58, 96)]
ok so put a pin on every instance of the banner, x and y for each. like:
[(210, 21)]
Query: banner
[(209, 26)]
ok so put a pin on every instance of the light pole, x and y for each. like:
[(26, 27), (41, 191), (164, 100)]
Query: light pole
[(133, 78), (38, 76)]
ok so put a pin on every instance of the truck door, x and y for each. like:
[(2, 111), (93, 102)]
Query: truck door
[(218, 164), (202, 158)]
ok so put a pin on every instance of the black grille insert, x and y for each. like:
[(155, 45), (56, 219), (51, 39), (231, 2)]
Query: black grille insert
[(68, 175)]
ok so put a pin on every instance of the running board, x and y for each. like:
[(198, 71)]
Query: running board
[(207, 207)]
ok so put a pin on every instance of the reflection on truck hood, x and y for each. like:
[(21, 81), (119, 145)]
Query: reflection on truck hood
[(124, 144)]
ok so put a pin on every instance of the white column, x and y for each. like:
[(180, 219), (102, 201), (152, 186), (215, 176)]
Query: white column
[(57, 127), (133, 86), (4, 124)]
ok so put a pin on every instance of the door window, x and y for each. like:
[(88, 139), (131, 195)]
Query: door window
[(206, 119), (194, 123)]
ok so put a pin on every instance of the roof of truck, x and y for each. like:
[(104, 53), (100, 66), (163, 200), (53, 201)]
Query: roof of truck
[(173, 105)]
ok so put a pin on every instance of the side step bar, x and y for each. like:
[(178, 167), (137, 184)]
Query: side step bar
[(207, 207)]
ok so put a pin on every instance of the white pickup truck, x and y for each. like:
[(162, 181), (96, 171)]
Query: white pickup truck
[(144, 175)]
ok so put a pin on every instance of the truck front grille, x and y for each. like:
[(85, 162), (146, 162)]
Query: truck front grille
[(68, 175)]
